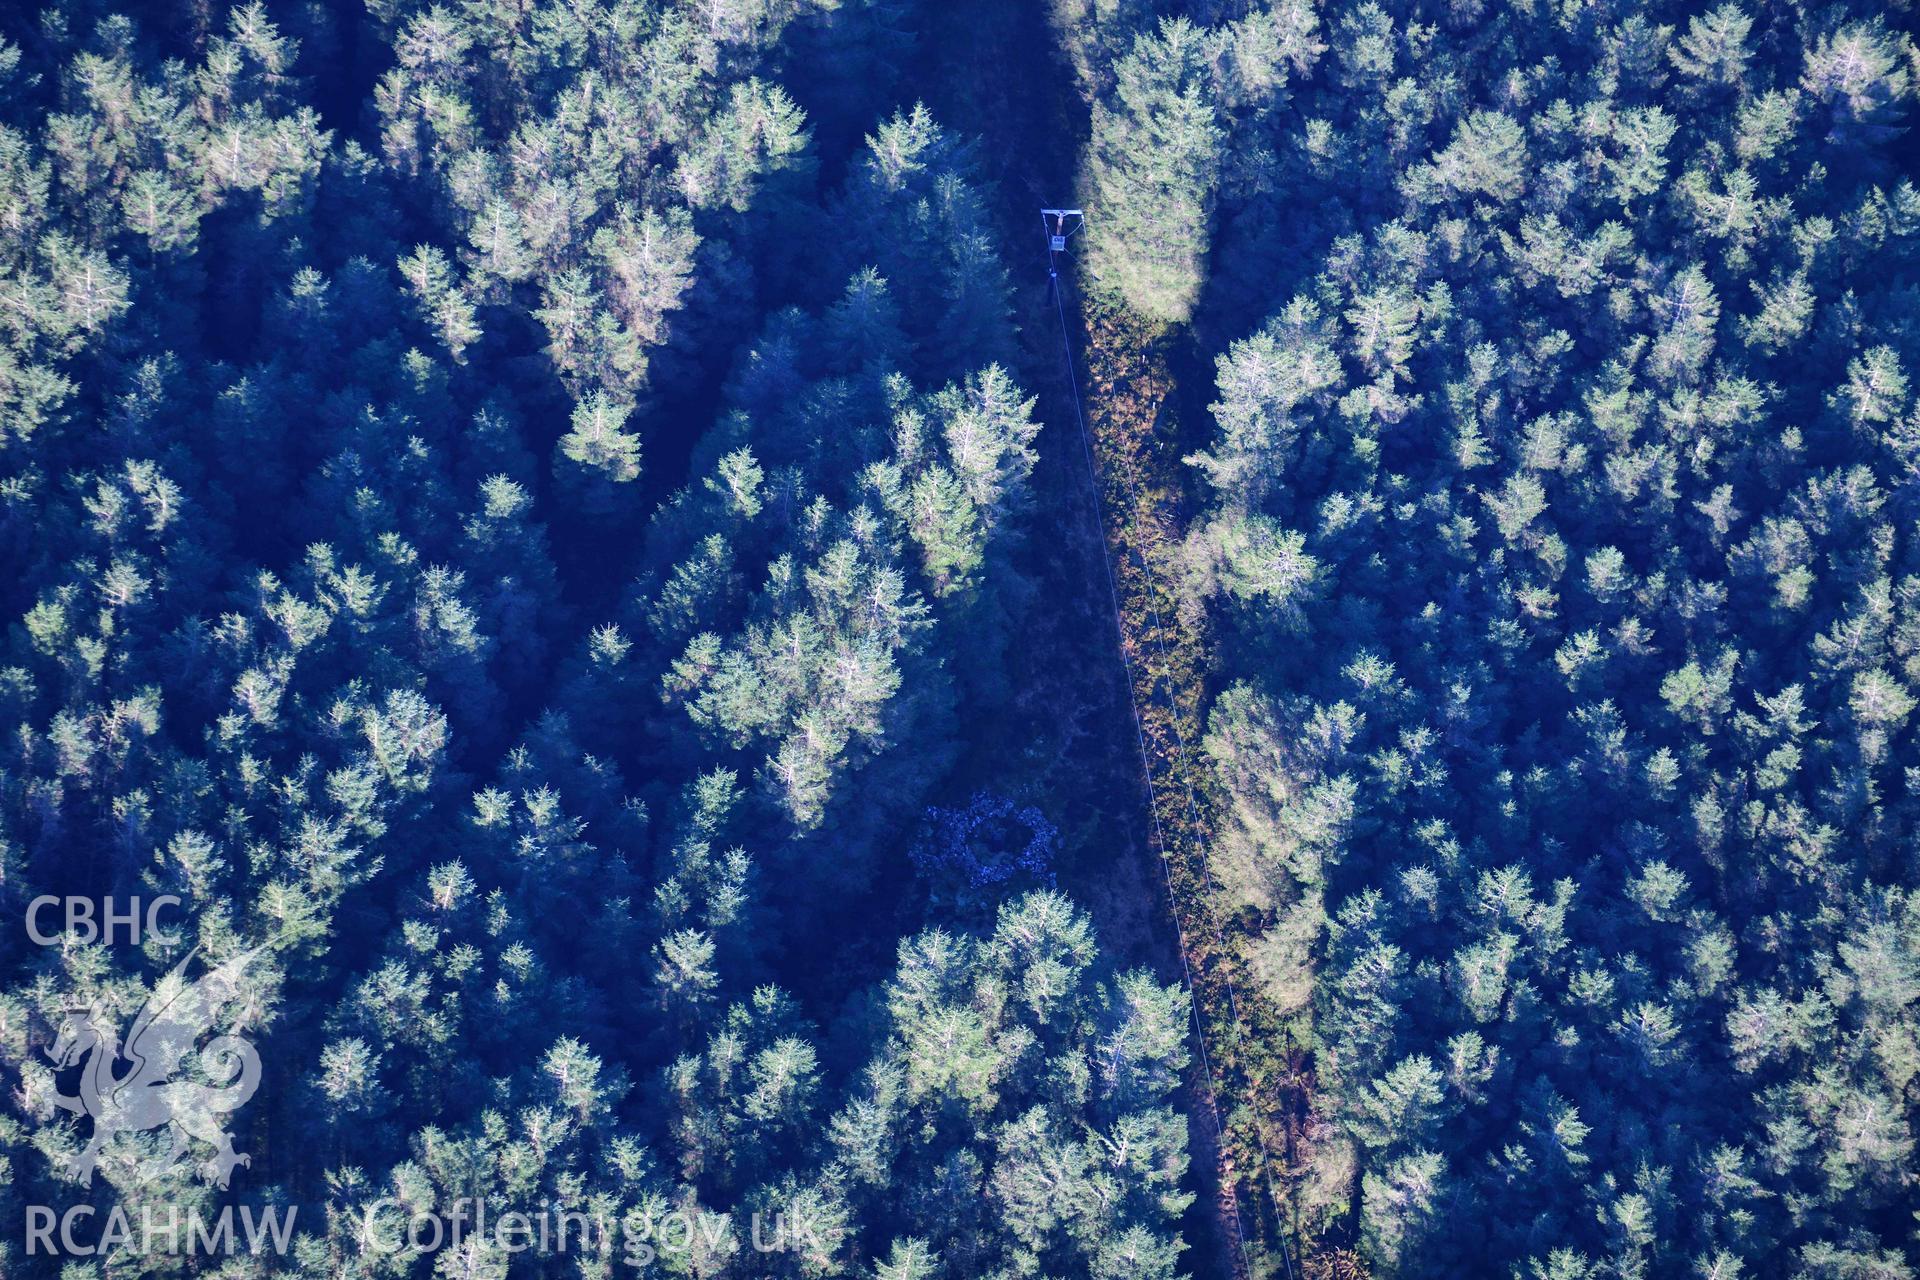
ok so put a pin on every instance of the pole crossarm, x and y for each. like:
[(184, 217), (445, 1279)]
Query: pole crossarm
[(1061, 224)]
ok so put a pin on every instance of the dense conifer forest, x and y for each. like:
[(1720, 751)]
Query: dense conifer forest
[(602, 677)]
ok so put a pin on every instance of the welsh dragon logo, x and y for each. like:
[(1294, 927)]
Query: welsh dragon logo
[(146, 1095)]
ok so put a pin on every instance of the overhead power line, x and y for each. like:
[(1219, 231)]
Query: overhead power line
[(1060, 225)]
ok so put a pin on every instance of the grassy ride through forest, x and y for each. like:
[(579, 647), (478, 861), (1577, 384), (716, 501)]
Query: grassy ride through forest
[(1258, 1073), (1033, 124)]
